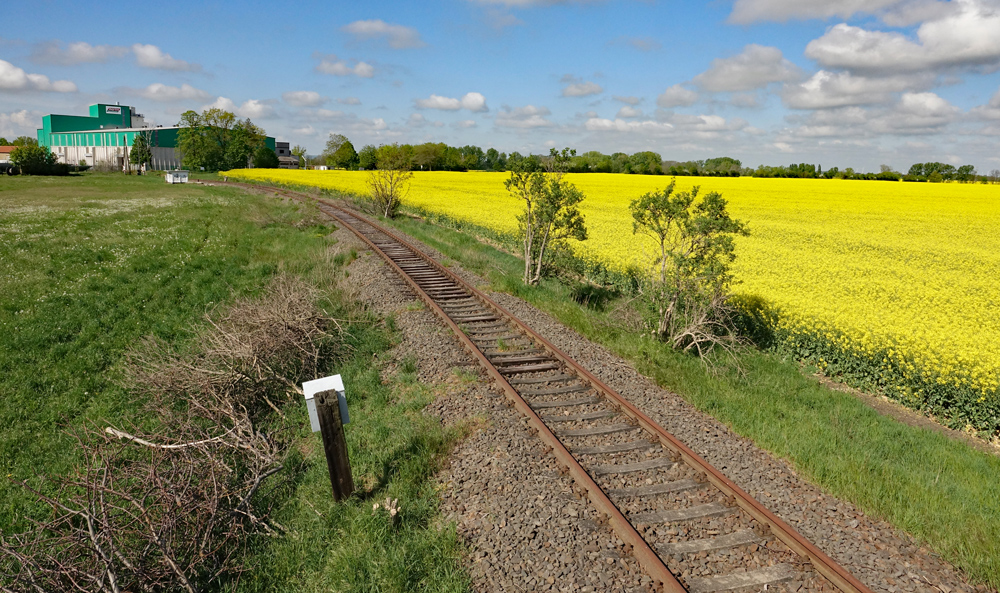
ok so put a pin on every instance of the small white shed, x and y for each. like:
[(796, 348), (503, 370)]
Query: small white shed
[(177, 176)]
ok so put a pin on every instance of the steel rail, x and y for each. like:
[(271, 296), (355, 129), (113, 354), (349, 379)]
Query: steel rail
[(647, 558)]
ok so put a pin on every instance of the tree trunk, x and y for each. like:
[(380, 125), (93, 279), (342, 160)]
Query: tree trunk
[(541, 254), (528, 229)]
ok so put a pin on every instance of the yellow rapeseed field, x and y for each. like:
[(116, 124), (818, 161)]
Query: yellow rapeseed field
[(905, 276)]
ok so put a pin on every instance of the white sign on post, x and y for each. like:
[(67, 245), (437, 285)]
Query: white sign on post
[(311, 388)]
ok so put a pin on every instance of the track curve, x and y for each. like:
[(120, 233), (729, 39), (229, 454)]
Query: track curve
[(642, 478)]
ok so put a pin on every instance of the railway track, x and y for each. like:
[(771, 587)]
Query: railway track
[(688, 526)]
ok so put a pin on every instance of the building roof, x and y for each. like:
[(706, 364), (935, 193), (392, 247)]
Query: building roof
[(7, 149)]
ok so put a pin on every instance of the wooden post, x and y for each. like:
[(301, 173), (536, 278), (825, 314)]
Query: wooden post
[(334, 444)]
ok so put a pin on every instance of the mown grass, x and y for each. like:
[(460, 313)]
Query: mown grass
[(90, 265), (939, 490)]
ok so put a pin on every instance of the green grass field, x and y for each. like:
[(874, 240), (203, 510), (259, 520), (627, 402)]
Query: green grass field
[(939, 490), (89, 265)]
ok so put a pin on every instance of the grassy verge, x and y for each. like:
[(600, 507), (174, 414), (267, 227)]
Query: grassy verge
[(88, 265), (91, 264), (394, 450), (937, 489)]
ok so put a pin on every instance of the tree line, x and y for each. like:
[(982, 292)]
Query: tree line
[(340, 153), (19, 141)]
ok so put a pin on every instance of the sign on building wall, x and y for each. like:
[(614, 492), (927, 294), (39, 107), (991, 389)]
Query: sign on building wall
[(110, 110)]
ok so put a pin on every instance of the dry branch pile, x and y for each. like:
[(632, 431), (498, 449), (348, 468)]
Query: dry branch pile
[(174, 507)]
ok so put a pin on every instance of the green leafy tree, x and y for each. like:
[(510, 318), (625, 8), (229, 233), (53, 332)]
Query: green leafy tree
[(265, 158), (244, 142), (344, 157), (389, 182), (202, 139), (645, 163), (689, 291), (965, 174), (24, 141), (473, 157), (33, 159), (31, 155), (141, 152), (368, 157), (4, 142), (300, 151), (217, 140), (495, 160), (551, 209), (333, 144), (429, 156)]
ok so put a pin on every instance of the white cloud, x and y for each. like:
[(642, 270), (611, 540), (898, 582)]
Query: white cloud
[(13, 78), (150, 56), (397, 36), (167, 94), (78, 52), (252, 108), (745, 100), (20, 123), (677, 96), (417, 120), (895, 13), (500, 19), (331, 65), (349, 101), (255, 109), (303, 98), (628, 100), (647, 127), (704, 125), (629, 112), (921, 111), (991, 110), (582, 89), (916, 11), (474, 102), (756, 67), (967, 37), (750, 11), (911, 114), (466, 124), (525, 117), (346, 123), (305, 131), (439, 102), (838, 89), (328, 114)]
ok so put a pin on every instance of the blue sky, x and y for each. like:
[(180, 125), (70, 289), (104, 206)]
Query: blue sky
[(849, 83)]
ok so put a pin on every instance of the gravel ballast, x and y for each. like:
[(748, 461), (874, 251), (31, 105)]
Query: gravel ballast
[(525, 528)]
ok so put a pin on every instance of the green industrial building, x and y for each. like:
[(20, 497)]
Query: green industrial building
[(106, 136)]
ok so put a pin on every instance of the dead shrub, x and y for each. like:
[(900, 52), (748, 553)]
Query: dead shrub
[(257, 353), (174, 508)]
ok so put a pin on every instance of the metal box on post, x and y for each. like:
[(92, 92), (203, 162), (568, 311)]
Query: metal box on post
[(332, 383)]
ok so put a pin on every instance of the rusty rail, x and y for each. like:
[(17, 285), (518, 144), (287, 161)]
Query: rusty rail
[(646, 556)]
